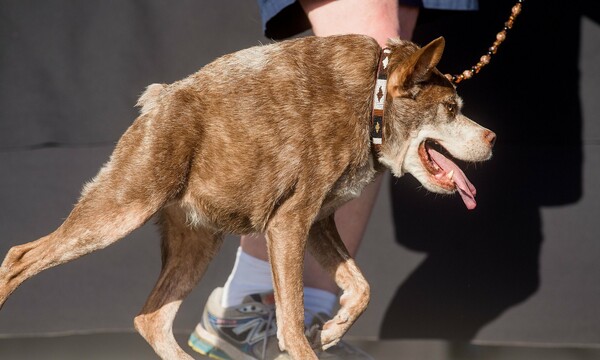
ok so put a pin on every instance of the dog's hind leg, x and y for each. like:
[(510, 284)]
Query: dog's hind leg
[(130, 188), (94, 223), (186, 252), (328, 249)]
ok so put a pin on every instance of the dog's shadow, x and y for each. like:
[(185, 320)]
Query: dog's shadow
[(481, 263)]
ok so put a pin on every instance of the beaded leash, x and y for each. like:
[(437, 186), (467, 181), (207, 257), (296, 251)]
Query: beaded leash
[(485, 59)]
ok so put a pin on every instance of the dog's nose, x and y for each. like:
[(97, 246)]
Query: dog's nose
[(490, 137)]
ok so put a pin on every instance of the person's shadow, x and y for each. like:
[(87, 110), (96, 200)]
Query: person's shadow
[(481, 263)]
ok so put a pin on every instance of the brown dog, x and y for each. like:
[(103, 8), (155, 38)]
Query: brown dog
[(270, 139)]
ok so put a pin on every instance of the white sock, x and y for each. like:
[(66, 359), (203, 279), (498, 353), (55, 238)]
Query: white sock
[(249, 276), (318, 301)]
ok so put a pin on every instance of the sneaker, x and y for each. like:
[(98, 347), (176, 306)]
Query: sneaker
[(244, 332), (249, 332)]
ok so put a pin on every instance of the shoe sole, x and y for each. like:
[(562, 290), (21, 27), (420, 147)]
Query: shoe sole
[(206, 349), (207, 344)]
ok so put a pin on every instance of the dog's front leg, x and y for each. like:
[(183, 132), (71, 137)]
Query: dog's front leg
[(286, 241), (328, 249)]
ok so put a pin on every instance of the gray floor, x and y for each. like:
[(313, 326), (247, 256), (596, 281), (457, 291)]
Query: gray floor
[(121, 346)]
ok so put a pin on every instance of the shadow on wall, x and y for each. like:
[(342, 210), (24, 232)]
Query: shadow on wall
[(481, 263)]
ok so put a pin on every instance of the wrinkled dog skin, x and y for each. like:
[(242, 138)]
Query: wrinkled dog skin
[(270, 139)]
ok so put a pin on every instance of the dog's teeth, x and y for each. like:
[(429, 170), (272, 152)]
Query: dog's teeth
[(450, 174)]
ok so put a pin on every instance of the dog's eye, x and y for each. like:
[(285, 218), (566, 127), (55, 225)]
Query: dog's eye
[(451, 108)]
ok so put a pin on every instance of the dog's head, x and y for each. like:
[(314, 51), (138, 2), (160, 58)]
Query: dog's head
[(424, 126)]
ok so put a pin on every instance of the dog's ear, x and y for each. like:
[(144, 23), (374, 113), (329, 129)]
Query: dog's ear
[(417, 68)]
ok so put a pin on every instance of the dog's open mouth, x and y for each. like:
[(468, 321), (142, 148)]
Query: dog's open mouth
[(445, 173)]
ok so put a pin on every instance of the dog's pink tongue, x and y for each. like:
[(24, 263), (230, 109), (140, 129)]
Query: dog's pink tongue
[(465, 188)]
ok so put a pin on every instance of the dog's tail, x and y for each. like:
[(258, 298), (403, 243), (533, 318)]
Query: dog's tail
[(150, 97)]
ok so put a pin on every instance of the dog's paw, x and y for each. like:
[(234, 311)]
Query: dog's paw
[(331, 332), (329, 338), (322, 340)]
